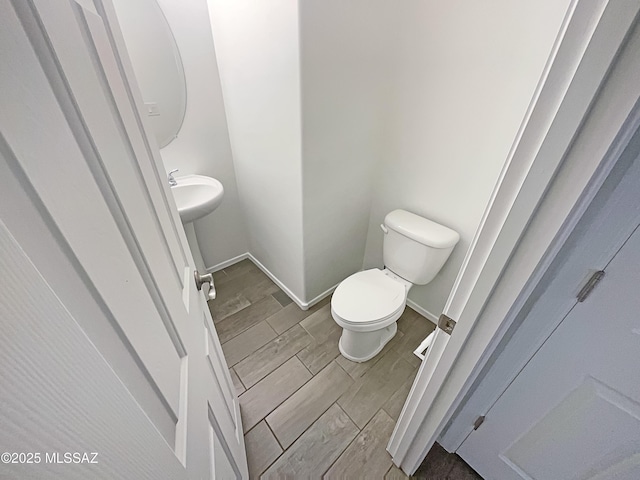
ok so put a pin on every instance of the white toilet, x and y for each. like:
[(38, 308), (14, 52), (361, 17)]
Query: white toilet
[(367, 304)]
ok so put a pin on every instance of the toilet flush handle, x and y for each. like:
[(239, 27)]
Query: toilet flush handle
[(384, 229)]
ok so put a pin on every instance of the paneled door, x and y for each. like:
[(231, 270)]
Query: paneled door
[(106, 345), (574, 410)]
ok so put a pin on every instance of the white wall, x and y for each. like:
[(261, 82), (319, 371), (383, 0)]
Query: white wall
[(466, 72), (257, 46), (346, 49), (202, 145), (342, 111)]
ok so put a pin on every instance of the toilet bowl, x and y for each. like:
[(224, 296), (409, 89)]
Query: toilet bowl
[(367, 304)]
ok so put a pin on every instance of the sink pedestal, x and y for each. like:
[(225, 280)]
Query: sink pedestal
[(190, 230)]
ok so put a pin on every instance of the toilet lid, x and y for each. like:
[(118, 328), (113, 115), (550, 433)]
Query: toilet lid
[(368, 296)]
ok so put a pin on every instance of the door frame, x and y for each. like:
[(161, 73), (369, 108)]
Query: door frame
[(585, 87)]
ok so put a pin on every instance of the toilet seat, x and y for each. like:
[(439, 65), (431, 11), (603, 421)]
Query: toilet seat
[(368, 300)]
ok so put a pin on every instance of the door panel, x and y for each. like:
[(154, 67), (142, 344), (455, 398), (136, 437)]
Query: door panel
[(71, 178), (586, 413), (76, 157), (574, 410), (222, 464), (215, 361), (59, 394)]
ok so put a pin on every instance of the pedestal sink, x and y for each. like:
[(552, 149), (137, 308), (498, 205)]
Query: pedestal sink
[(196, 196)]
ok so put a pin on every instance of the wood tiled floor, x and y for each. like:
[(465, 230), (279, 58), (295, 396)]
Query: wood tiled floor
[(307, 411), (442, 465)]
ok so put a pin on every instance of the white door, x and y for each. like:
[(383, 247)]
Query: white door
[(574, 410), (107, 347)]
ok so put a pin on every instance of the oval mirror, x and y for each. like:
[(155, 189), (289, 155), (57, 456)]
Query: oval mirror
[(156, 64)]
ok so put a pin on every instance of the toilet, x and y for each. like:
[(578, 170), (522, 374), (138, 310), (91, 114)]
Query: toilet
[(367, 304)]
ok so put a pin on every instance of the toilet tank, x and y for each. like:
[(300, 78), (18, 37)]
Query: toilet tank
[(416, 248)]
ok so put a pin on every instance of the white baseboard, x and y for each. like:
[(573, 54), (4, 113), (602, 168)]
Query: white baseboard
[(276, 280), (324, 294), (306, 305), (303, 305), (227, 263), (423, 311)]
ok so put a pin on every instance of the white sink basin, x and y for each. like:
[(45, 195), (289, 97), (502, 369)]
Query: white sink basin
[(196, 196)]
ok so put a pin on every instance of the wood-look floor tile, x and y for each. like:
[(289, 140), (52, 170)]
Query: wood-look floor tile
[(405, 322), (371, 391), (246, 318), (320, 324), (236, 281), (243, 345), (320, 304), (302, 408), (437, 464), (412, 359), (223, 306), (366, 456), (271, 391), (287, 317), (395, 473), (250, 283), (462, 471), (240, 268), (269, 357), (219, 277), (237, 384), (319, 354), (262, 288), (282, 298), (262, 449), (394, 405), (292, 314), (317, 448), (356, 370), (407, 347), (415, 328)]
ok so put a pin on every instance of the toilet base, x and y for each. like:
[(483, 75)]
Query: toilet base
[(362, 346)]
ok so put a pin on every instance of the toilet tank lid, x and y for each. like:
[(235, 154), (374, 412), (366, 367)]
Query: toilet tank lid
[(421, 229)]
